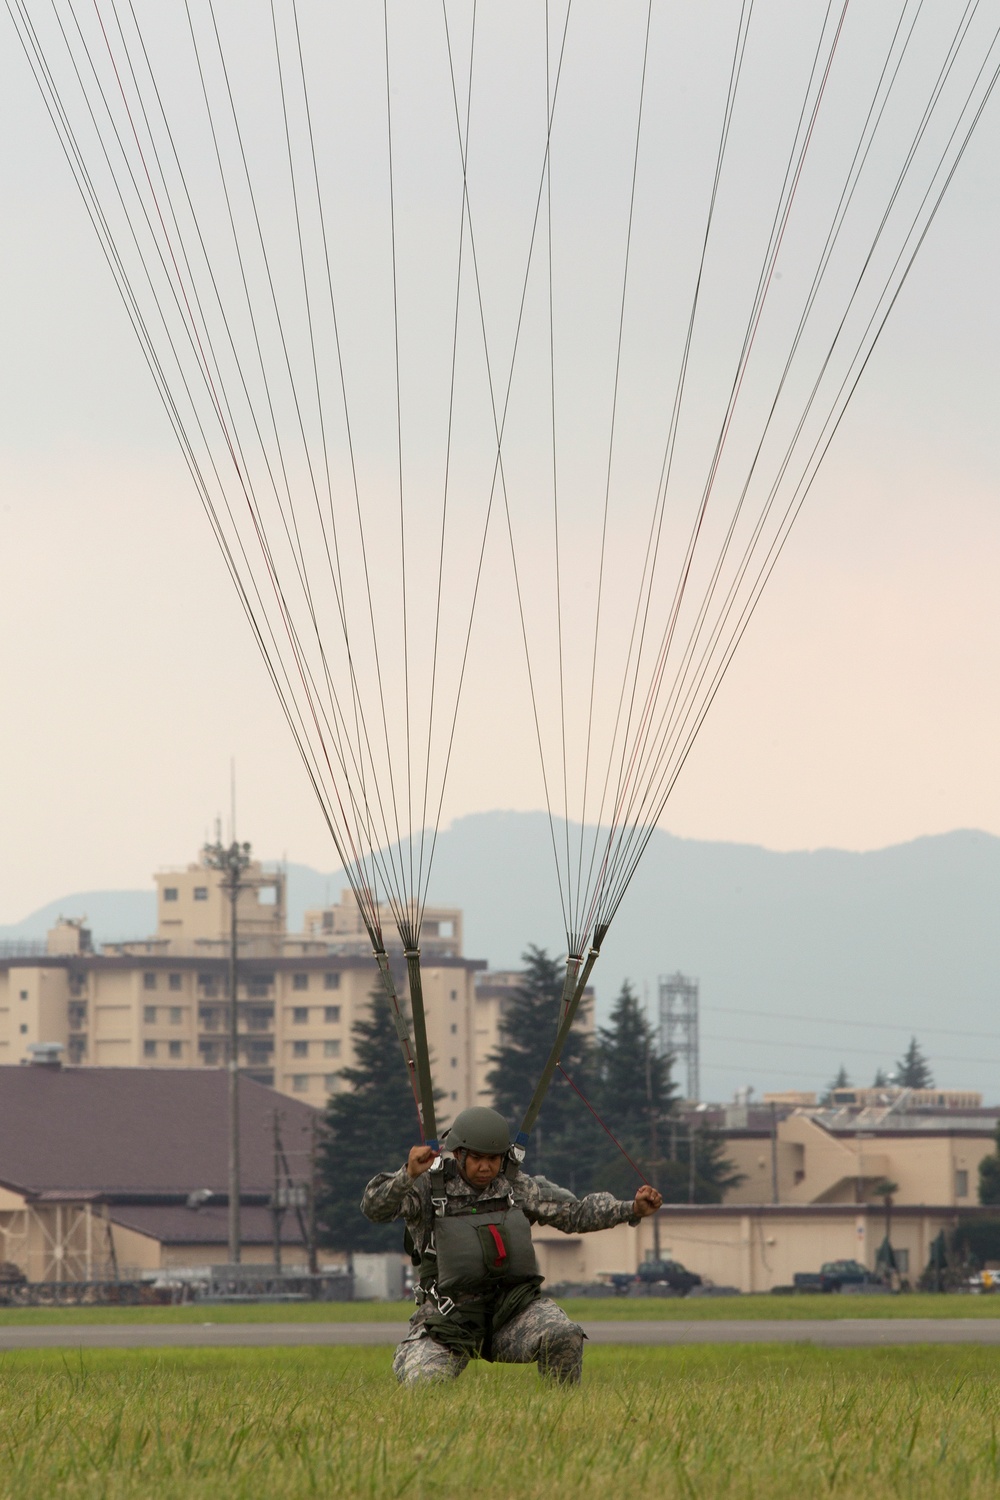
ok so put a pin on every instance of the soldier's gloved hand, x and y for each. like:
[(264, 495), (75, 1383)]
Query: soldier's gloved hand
[(419, 1160), (647, 1201)]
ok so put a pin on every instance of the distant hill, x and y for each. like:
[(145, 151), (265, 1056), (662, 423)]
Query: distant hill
[(905, 937)]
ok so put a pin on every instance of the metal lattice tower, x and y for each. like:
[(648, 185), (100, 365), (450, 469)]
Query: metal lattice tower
[(679, 1026)]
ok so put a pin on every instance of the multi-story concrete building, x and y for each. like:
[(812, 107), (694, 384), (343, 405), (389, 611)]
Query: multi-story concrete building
[(493, 994), (163, 1001)]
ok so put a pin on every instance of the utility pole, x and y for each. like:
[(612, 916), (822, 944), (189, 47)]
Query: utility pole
[(277, 1207), (311, 1200), (654, 1150), (692, 1152), (233, 863), (774, 1151)]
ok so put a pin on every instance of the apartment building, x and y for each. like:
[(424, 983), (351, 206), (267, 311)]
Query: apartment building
[(163, 1001)]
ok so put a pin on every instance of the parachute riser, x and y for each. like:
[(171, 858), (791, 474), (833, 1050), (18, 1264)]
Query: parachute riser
[(424, 1084), (576, 984), (402, 1030)]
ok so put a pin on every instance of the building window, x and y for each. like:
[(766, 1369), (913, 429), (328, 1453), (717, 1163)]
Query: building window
[(454, 994), (300, 1083), (454, 1027), (300, 1015), (24, 994), (24, 1029), (331, 1014), (174, 982), (260, 985), (149, 1049), (209, 1018), (149, 981), (961, 1184), (300, 1049), (331, 1082), (331, 981), (902, 1261), (175, 1049), (175, 1015), (454, 1062), (300, 981), (201, 893), (454, 1096), (149, 1014), (209, 1051), (170, 893), (331, 1049)]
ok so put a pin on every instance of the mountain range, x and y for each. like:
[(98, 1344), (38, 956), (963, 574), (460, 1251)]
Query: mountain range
[(806, 960)]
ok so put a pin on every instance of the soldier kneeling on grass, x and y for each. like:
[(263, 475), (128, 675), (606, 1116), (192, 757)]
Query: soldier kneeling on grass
[(469, 1225)]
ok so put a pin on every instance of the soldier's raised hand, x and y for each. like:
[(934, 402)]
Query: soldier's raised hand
[(647, 1200), (419, 1160)]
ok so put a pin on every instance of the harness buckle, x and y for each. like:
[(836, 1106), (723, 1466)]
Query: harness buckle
[(445, 1305)]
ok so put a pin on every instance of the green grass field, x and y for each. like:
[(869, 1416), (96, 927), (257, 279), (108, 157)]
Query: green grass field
[(680, 1309), (771, 1424)]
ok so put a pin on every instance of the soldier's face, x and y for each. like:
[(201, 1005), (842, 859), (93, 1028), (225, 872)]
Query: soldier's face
[(478, 1170)]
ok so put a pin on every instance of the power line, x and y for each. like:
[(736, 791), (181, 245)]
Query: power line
[(774, 1015)]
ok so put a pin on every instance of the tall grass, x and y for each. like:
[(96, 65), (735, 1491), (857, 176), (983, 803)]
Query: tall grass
[(714, 1422)]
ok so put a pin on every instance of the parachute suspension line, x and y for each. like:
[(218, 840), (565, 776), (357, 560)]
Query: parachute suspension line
[(608, 1132), (70, 146), (813, 460), (402, 1030), (240, 462), (611, 448), (644, 596), (871, 334), (422, 885), (632, 764), (555, 452), (423, 1059), (577, 980), (359, 722), (500, 419), (399, 463)]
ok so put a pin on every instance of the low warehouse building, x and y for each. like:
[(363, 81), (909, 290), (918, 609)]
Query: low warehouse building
[(112, 1172)]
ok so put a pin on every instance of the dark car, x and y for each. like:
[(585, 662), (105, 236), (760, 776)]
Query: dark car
[(668, 1273), (834, 1274)]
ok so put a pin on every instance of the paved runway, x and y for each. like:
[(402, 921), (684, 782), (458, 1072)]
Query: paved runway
[(834, 1333)]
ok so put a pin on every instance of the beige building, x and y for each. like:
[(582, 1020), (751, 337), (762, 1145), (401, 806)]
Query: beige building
[(752, 1248), (163, 1001), (811, 1158)]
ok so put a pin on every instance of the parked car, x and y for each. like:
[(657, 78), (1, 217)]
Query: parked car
[(834, 1274), (668, 1272)]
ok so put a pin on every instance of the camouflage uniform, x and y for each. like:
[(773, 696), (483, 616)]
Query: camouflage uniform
[(541, 1332)]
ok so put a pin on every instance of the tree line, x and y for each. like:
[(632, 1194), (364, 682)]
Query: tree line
[(620, 1078)]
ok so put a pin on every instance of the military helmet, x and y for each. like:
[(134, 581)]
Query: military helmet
[(479, 1129)]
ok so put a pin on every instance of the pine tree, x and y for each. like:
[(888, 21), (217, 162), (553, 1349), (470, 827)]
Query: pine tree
[(367, 1130), (880, 1080), (565, 1141), (840, 1082), (633, 1093), (914, 1072)]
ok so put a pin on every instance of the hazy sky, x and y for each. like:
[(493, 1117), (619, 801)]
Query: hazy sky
[(862, 708)]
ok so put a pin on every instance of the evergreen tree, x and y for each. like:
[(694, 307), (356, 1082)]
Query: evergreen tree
[(566, 1141), (880, 1080), (840, 1082), (914, 1072), (367, 1130), (634, 1093), (989, 1173)]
